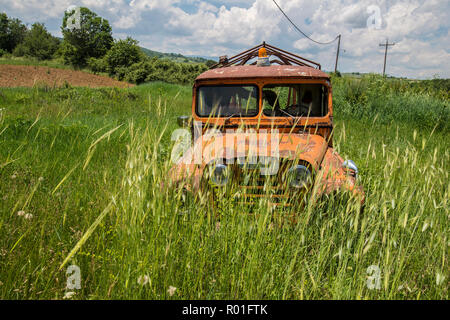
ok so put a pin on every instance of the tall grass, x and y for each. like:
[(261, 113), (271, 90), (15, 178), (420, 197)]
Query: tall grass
[(88, 164), (392, 101)]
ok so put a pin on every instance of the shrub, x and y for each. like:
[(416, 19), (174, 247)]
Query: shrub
[(138, 72), (71, 55), (20, 50), (121, 73), (123, 53), (155, 69), (97, 65)]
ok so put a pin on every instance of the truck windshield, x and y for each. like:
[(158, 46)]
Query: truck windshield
[(227, 101), (295, 100)]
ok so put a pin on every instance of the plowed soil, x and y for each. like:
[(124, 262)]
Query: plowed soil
[(29, 76)]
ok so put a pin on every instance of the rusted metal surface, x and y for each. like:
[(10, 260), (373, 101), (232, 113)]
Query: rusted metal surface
[(308, 147), (274, 71)]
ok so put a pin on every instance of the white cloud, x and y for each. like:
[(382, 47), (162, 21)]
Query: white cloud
[(212, 28)]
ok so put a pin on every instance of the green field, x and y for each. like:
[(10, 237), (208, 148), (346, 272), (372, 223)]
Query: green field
[(81, 171)]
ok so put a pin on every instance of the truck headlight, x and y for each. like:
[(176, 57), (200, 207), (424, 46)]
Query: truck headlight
[(299, 176), (219, 174), (350, 165)]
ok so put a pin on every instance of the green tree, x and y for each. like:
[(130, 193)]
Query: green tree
[(12, 32), (123, 53), (38, 43), (90, 37)]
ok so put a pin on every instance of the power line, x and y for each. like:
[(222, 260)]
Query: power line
[(298, 29)]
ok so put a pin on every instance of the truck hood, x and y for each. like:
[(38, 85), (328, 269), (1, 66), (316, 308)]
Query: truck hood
[(302, 146)]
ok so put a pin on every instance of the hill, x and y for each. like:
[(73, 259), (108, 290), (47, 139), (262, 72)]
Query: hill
[(176, 57)]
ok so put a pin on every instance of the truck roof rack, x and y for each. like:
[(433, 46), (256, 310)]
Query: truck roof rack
[(284, 58)]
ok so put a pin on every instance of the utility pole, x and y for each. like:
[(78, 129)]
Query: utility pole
[(337, 53), (386, 45)]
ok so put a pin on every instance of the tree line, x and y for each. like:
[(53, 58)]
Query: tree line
[(89, 44)]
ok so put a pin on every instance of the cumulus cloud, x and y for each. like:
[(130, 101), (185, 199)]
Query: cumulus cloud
[(213, 27)]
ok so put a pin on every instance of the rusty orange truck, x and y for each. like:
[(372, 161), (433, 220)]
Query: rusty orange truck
[(262, 128)]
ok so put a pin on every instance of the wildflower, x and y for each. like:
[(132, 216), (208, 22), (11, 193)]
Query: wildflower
[(143, 280), (28, 216), (171, 290), (21, 213), (217, 226), (41, 179), (13, 176), (69, 295)]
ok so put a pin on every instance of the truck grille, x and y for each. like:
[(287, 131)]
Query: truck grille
[(252, 186)]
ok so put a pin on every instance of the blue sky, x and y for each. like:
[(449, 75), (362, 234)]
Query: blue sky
[(420, 29)]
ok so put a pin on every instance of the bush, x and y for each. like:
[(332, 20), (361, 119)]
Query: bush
[(71, 55), (155, 69), (121, 73), (97, 65), (20, 50), (123, 53), (138, 72)]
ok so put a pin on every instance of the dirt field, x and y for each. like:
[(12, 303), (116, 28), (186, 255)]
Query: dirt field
[(28, 76)]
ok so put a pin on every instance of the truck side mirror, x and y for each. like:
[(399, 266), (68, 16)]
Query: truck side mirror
[(183, 121)]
